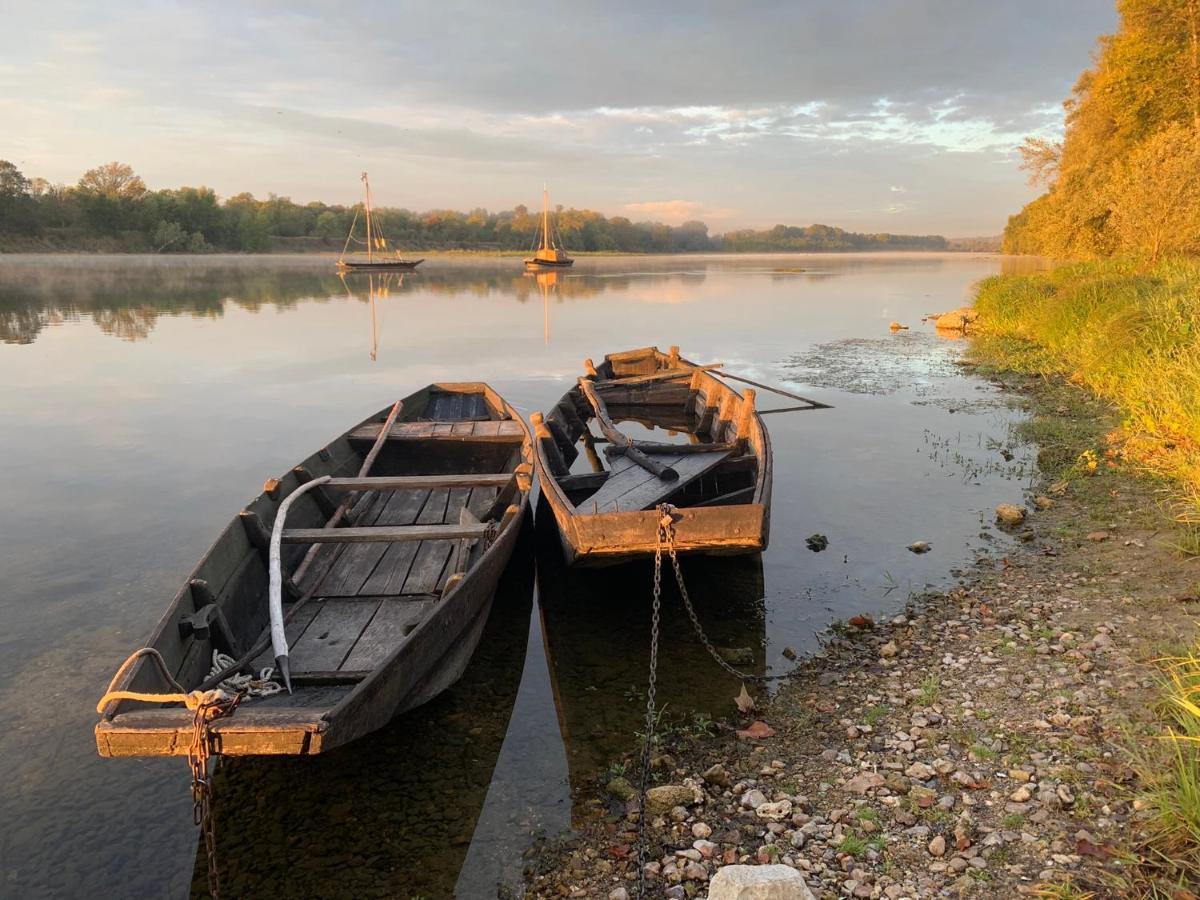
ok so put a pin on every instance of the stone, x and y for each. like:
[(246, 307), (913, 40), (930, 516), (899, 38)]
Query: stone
[(757, 730), (1009, 515), (889, 649), (1098, 536), (618, 894), (701, 830), (920, 547), (621, 789), (960, 319), (661, 800), (753, 799), (758, 883), (774, 812), (864, 782), (717, 775), (919, 771), (937, 847)]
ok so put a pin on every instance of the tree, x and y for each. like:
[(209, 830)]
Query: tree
[(13, 184), (113, 180), (1156, 195), (17, 212)]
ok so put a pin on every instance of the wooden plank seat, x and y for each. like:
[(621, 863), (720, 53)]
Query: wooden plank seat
[(504, 431), (413, 482), (384, 534)]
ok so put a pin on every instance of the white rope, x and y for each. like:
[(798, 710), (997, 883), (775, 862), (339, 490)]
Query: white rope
[(262, 686)]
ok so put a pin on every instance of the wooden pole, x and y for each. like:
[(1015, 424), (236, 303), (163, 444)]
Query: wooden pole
[(545, 218), (620, 441), (344, 506), (673, 358), (815, 404)]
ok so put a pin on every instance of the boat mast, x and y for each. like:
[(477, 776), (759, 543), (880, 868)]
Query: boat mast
[(545, 217), (367, 204)]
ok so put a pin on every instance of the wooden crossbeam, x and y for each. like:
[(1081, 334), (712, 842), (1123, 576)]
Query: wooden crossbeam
[(383, 534), (410, 482)]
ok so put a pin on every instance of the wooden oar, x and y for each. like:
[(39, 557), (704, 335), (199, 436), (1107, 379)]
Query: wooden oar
[(620, 441), (811, 404)]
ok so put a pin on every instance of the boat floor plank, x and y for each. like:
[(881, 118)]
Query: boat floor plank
[(630, 487), (385, 632), (506, 431), (431, 556), (331, 635), (293, 630), (350, 573)]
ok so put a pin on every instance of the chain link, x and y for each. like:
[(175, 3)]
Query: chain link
[(664, 524), (198, 755)]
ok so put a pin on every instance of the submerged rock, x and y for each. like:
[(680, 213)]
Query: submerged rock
[(621, 789), (960, 319)]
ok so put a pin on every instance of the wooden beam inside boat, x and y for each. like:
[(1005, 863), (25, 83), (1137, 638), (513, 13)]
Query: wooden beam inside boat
[(383, 534), (409, 482)]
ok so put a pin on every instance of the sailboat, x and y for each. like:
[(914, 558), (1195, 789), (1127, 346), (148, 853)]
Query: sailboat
[(550, 255), (380, 258)]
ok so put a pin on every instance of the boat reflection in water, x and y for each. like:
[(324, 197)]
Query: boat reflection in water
[(393, 814), (379, 286), (596, 625)]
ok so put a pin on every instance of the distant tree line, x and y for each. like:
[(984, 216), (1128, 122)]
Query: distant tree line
[(1126, 178), (111, 208)]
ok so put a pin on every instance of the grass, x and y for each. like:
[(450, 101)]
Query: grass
[(1127, 332), (930, 690), (852, 844)]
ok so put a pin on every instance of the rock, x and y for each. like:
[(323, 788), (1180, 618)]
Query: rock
[(758, 883), (661, 800), (621, 789), (919, 771), (1021, 795), (865, 781), (707, 849), (756, 731), (957, 320), (937, 847), (816, 543), (920, 547), (618, 894), (861, 622), (1010, 515), (789, 653), (717, 775), (753, 799), (889, 650), (896, 326), (1042, 502), (694, 871), (774, 812), (701, 830), (1098, 536)]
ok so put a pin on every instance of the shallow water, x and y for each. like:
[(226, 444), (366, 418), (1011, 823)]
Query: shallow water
[(144, 401)]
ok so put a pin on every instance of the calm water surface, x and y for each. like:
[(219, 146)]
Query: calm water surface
[(144, 401)]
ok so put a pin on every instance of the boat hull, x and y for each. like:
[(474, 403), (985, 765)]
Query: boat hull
[(396, 266), (535, 265)]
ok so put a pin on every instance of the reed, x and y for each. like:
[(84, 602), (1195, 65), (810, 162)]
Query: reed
[(1127, 331)]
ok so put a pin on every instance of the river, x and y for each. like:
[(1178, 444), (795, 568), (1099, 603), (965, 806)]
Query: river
[(145, 400)]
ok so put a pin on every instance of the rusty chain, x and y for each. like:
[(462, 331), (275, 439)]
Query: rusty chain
[(198, 755)]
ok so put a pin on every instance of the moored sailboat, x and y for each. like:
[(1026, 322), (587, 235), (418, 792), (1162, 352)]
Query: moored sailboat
[(550, 255), (380, 257)]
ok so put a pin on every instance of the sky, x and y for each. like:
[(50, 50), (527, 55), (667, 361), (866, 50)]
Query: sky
[(872, 115)]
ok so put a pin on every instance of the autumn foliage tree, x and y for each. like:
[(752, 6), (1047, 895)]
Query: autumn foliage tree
[(1127, 162)]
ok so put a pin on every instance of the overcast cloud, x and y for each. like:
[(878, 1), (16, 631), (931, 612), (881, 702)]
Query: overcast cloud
[(872, 115)]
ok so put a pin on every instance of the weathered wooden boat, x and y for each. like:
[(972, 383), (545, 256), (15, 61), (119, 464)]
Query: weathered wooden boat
[(550, 255), (384, 595), (715, 469), (378, 258)]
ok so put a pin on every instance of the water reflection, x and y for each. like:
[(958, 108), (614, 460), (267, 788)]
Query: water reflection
[(391, 815), (596, 625)]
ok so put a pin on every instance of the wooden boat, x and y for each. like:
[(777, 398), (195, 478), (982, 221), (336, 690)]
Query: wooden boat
[(377, 246), (716, 470), (550, 255), (388, 590)]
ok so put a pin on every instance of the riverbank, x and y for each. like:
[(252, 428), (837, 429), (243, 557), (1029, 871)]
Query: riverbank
[(982, 743)]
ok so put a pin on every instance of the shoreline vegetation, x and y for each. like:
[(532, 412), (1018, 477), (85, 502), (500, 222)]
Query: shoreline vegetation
[(111, 210)]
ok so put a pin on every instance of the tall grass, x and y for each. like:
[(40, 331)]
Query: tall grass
[(1128, 332)]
